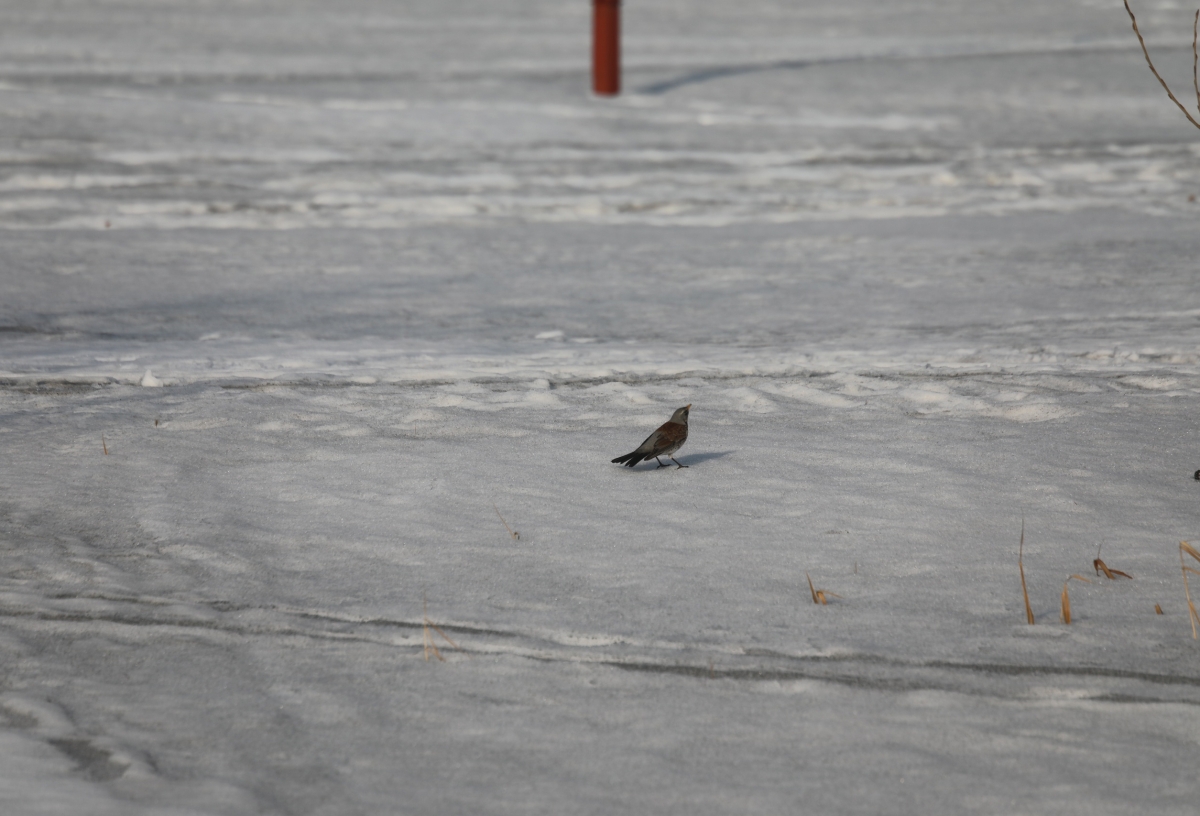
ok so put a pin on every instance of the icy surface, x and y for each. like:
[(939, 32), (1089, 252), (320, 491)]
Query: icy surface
[(297, 298)]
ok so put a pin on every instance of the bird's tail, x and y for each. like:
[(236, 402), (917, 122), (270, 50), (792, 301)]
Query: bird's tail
[(629, 459)]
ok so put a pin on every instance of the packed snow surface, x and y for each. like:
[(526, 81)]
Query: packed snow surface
[(321, 323)]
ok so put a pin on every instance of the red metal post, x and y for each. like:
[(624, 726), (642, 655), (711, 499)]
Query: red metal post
[(606, 47)]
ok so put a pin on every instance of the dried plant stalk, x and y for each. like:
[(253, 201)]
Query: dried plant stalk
[(511, 532), (811, 588), (445, 637), (430, 645), (1021, 568), (1184, 547), (1111, 574), (1196, 57), (1157, 609), (1154, 70), (819, 596), (1066, 598), (104, 444)]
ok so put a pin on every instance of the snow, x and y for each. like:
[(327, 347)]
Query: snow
[(297, 304)]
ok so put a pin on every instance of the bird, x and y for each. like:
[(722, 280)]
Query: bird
[(669, 438)]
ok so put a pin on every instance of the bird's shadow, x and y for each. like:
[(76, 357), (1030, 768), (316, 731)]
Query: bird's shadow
[(689, 460)]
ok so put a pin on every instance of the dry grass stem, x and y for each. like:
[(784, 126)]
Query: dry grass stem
[(1157, 609), (1154, 70), (1184, 547), (1195, 57), (104, 444), (1021, 568), (1111, 574), (513, 533), (819, 596), (445, 637), (430, 645), (428, 638), (1066, 599)]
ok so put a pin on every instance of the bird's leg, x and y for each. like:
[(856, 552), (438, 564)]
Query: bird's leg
[(660, 464), (672, 458)]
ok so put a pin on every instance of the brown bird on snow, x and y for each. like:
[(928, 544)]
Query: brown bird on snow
[(669, 438)]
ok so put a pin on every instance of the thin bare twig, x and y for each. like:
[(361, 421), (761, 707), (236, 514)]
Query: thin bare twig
[(1196, 57), (511, 532), (1154, 70)]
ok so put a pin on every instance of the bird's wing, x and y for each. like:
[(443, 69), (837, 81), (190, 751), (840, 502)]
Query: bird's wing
[(666, 436), (652, 442)]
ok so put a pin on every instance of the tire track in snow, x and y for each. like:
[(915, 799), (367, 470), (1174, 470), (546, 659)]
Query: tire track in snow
[(999, 680)]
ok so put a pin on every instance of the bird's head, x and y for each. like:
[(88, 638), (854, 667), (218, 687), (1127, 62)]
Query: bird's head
[(681, 415)]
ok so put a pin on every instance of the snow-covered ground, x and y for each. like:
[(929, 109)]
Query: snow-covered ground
[(296, 297)]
